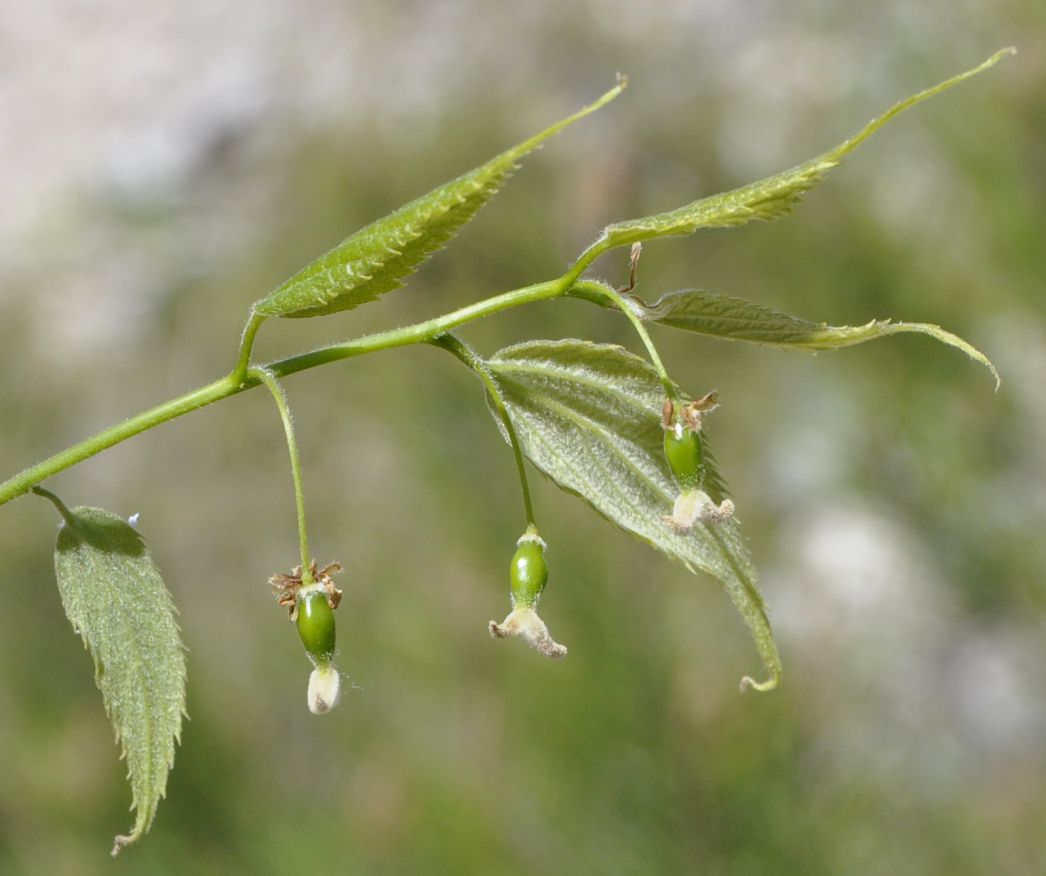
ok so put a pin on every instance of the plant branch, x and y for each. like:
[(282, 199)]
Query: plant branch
[(250, 330), (591, 290), (240, 380), (67, 515), (25, 480), (466, 355), (280, 397)]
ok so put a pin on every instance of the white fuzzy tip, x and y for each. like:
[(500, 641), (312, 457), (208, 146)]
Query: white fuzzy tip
[(695, 505), (525, 623), (324, 689)]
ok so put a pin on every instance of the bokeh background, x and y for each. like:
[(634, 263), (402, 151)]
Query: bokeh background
[(166, 165)]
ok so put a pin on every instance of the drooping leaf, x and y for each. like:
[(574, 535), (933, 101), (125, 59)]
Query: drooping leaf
[(377, 258), (116, 600), (734, 319), (773, 196), (588, 416)]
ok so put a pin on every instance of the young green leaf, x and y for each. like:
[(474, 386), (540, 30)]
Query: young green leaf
[(116, 600), (767, 198), (377, 258), (734, 319), (588, 416)]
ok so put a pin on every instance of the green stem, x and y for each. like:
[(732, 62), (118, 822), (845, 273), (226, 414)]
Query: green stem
[(67, 515), (266, 377), (422, 332), (191, 401), (465, 354), (594, 250), (588, 289), (237, 381), (250, 330)]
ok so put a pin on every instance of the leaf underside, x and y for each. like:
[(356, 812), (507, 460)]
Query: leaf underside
[(734, 319), (116, 600), (773, 196), (377, 258), (588, 416)]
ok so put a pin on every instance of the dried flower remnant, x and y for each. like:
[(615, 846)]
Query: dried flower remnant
[(525, 623), (286, 587), (695, 506)]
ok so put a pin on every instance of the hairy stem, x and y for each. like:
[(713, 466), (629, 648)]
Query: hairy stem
[(67, 515), (266, 377), (191, 401), (465, 354), (250, 330), (240, 379), (586, 289)]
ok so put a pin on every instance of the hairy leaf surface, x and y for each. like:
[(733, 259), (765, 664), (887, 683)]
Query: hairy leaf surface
[(734, 319), (116, 600), (773, 196), (588, 416), (377, 258)]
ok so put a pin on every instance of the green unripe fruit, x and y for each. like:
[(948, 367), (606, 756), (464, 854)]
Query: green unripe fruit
[(528, 572), (683, 452), (316, 625)]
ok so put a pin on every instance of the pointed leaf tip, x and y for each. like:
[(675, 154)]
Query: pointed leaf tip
[(378, 258), (735, 319), (773, 196)]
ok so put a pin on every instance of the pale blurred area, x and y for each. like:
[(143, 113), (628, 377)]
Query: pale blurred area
[(166, 165)]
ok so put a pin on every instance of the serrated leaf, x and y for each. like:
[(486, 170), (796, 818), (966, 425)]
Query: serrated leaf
[(377, 258), (734, 319), (588, 416), (773, 196), (116, 600)]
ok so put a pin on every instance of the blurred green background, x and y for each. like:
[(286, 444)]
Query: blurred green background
[(164, 168)]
